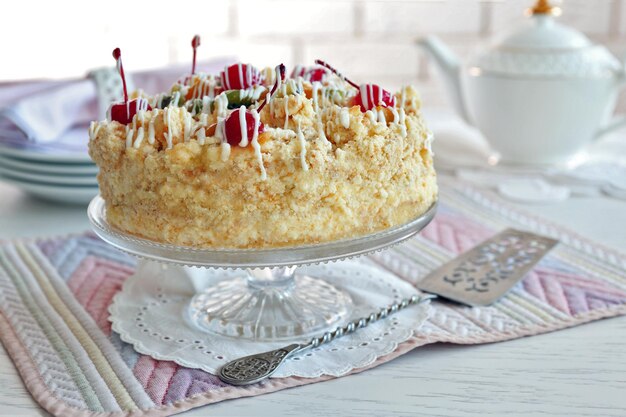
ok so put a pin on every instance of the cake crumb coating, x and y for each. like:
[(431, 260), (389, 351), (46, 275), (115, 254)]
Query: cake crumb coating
[(331, 172)]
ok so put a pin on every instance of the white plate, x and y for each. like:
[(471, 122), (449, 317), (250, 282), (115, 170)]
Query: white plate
[(67, 195), (48, 168), (53, 179), (31, 154), (70, 147)]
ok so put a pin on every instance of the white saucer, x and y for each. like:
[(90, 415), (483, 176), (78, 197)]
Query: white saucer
[(31, 154), (52, 179), (44, 167), (58, 193)]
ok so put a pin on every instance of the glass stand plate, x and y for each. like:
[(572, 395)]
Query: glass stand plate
[(270, 300)]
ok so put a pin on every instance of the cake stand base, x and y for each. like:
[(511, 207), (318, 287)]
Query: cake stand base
[(269, 304), (151, 314)]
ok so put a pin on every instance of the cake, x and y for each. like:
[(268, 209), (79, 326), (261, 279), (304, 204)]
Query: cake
[(253, 159)]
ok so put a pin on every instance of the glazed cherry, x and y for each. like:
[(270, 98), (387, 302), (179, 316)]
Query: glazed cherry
[(240, 76), (311, 75), (125, 111), (243, 121), (233, 124), (315, 74), (369, 96), (372, 95)]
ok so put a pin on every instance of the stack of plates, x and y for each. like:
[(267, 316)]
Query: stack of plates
[(60, 175)]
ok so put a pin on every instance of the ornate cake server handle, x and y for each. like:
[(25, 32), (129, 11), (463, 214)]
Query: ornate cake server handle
[(255, 368)]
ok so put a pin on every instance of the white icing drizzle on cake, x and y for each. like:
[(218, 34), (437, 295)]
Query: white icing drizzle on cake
[(168, 122), (201, 135), (139, 138), (279, 79), (224, 151), (344, 117), (206, 105), (381, 116), (243, 127), (402, 122), (186, 126), (394, 112), (221, 104), (219, 129), (314, 94), (204, 86), (240, 70), (286, 99), (253, 93), (255, 143), (142, 104), (151, 127), (302, 143), (175, 99), (129, 136), (94, 128)]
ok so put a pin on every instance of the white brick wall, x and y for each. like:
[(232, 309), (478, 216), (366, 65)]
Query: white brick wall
[(368, 39), (412, 17), (289, 18)]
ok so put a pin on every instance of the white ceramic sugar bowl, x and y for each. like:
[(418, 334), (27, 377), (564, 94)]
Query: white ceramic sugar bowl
[(541, 94)]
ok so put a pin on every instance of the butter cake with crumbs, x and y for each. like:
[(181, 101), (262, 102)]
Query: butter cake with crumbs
[(254, 159)]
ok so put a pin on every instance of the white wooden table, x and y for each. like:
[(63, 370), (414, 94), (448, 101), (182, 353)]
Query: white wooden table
[(574, 372)]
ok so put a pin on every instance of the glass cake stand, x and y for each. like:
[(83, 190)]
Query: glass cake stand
[(270, 300)]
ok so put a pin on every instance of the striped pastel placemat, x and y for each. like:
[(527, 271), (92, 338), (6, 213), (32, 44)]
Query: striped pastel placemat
[(54, 295)]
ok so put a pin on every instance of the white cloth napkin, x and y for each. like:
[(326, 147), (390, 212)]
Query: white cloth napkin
[(44, 116), (42, 112)]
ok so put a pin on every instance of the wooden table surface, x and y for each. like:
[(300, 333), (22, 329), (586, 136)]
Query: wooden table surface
[(574, 372)]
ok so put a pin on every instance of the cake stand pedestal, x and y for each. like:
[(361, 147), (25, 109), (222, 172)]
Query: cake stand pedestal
[(269, 300)]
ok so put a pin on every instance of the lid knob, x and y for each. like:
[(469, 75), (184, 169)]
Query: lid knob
[(543, 7)]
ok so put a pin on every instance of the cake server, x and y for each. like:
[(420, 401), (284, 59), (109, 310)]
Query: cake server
[(478, 277)]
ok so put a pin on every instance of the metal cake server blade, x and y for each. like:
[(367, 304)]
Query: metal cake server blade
[(478, 277), (484, 274)]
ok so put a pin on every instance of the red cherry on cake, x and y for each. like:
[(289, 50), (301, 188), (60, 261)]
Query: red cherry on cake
[(315, 74), (372, 95), (311, 75), (240, 76), (124, 112), (241, 125), (369, 96)]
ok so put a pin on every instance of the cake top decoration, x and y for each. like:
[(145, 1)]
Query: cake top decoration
[(240, 76), (125, 111), (369, 96)]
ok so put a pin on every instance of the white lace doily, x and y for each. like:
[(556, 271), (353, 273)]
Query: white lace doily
[(150, 310)]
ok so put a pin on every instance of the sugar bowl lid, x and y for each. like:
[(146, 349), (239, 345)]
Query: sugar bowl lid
[(542, 47)]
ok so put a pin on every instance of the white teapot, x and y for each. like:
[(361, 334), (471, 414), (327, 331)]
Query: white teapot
[(540, 94)]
